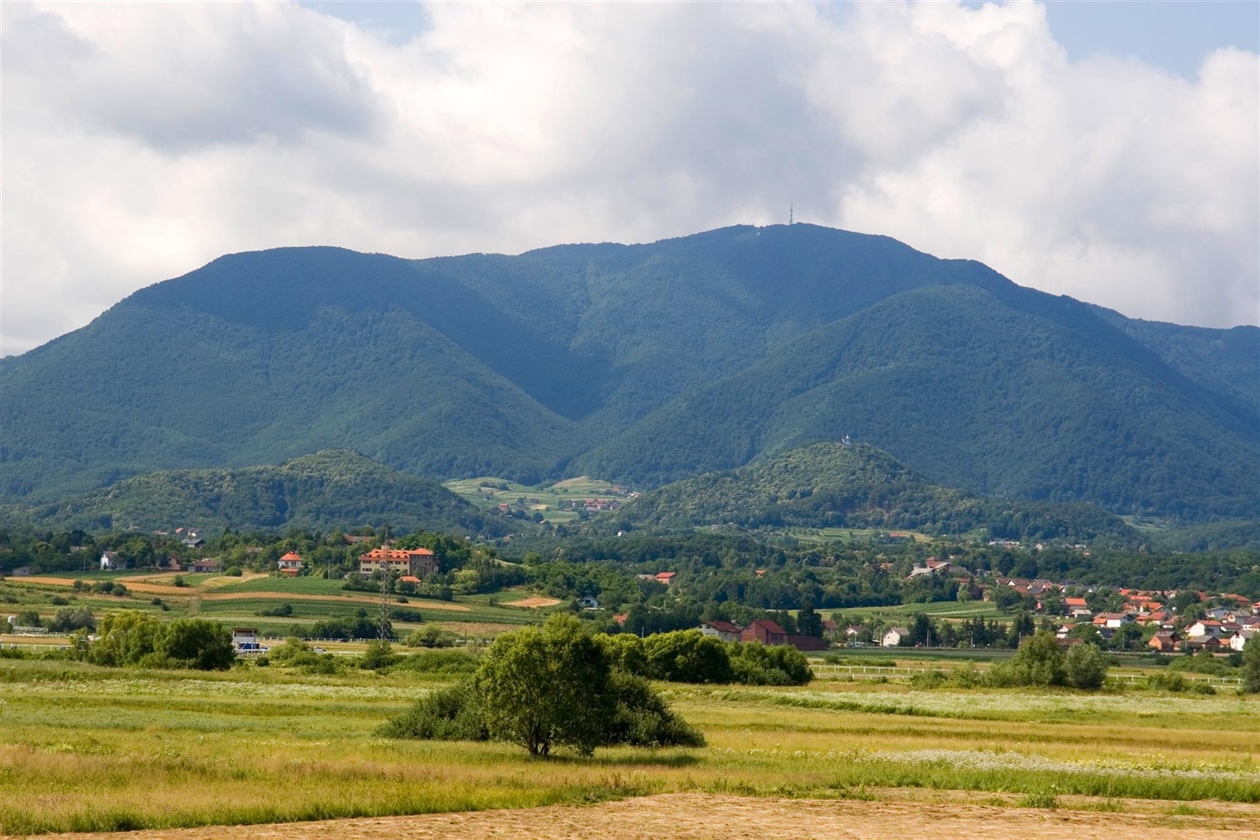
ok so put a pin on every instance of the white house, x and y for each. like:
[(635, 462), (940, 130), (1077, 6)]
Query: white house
[(112, 562), (893, 636), (245, 639), (1205, 627), (723, 630), (1239, 640)]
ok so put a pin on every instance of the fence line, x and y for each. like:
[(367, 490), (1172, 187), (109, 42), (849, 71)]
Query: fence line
[(871, 672)]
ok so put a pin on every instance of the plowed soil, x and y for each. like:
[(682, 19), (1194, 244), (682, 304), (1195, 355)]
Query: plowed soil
[(709, 817)]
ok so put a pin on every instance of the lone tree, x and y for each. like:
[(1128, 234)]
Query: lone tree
[(547, 687)]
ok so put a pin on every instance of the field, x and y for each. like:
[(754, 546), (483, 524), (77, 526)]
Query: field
[(490, 492), (91, 749), (721, 817), (846, 535), (244, 601)]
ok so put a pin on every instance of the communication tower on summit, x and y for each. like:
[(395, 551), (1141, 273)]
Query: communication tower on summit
[(791, 208)]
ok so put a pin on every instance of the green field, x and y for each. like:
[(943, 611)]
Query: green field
[(937, 609), (86, 748), (295, 586), (489, 492), (208, 601)]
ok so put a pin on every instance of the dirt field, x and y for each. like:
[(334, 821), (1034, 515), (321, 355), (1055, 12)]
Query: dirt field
[(708, 817), (532, 602)]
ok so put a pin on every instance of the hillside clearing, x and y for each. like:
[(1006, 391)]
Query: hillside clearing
[(533, 602)]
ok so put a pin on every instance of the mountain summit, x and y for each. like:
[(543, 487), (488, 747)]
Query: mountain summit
[(642, 363)]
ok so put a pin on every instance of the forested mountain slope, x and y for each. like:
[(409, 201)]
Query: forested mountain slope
[(641, 363), (1032, 399), (326, 490), (831, 485)]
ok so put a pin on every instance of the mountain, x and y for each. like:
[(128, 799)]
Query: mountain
[(1007, 392), (831, 485), (643, 364), (329, 489)]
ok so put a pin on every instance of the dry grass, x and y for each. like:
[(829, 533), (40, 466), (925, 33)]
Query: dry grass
[(717, 817), (533, 602), (84, 748)]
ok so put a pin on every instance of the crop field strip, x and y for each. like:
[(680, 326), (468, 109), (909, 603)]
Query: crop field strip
[(721, 817), (86, 748)]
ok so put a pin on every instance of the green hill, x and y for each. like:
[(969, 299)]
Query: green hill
[(1010, 393), (330, 489), (644, 364), (830, 485)]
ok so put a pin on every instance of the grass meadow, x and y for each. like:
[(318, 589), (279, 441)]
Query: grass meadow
[(87, 748)]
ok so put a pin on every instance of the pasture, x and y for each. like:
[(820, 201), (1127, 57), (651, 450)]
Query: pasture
[(490, 492), (84, 748)]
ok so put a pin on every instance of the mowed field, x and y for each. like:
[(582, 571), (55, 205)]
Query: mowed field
[(92, 749), (723, 817)]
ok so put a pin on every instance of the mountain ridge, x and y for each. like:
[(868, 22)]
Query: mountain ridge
[(603, 358)]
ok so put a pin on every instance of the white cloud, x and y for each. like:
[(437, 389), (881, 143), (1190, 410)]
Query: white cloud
[(143, 140)]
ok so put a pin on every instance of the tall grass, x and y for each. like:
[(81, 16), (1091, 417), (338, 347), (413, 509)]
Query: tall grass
[(84, 748)]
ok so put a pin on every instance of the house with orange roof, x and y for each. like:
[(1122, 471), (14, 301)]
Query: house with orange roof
[(417, 562), (290, 564)]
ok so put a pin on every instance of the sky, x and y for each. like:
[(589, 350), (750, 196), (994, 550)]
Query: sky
[(1105, 150)]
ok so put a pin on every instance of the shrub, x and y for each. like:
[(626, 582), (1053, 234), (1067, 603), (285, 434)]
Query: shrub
[(644, 719), (431, 637), (68, 620), (196, 643), (687, 656), (438, 663), (378, 656), (1039, 662), (1084, 667), (755, 664), (448, 714)]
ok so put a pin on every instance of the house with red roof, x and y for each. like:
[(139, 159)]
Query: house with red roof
[(417, 562), (723, 630), (290, 564), (765, 631)]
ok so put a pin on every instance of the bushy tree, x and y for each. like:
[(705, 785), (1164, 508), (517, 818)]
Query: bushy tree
[(544, 688), (755, 664), (687, 656), (132, 638), (125, 638), (547, 687), (1038, 662), (196, 643), (1251, 666), (1085, 667)]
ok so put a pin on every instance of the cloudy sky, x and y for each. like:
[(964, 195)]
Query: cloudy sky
[(1108, 151)]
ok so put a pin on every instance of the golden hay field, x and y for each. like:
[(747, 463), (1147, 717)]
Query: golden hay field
[(725, 817)]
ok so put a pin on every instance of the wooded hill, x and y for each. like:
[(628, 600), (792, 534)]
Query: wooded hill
[(830, 485), (323, 491), (642, 364)]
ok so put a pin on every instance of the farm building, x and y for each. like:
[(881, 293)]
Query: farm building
[(290, 564)]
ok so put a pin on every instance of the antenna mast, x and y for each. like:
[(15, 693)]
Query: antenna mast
[(791, 208)]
